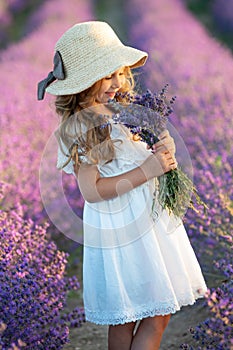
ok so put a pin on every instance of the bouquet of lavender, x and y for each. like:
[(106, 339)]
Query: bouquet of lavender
[(175, 188)]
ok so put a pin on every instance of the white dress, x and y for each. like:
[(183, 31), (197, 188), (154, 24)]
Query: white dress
[(134, 266)]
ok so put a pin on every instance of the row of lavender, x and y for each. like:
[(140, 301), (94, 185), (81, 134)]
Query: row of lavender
[(33, 279), (27, 124), (8, 10), (223, 14), (200, 72), (221, 11), (10, 7), (34, 286)]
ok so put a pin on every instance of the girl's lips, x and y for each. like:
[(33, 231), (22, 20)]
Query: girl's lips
[(110, 94)]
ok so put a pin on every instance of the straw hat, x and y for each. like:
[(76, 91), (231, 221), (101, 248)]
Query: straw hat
[(88, 52)]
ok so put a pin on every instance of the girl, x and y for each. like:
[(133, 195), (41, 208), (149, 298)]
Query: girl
[(132, 270)]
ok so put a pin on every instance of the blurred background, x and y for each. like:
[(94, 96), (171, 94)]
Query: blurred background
[(190, 45), (215, 15)]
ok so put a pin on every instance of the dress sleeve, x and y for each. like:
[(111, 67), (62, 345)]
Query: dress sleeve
[(62, 157)]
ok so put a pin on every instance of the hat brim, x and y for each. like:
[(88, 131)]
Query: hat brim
[(85, 76)]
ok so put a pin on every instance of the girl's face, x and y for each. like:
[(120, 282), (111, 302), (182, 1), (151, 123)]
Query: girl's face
[(110, 85)]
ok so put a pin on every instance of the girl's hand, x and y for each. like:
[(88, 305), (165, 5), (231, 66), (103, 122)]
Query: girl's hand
[(166, 142), (163, 159), (158, 164)]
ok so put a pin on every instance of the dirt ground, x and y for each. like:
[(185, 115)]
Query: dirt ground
[(94, 337)]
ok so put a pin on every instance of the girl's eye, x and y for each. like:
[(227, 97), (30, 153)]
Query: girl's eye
[(110, 77)]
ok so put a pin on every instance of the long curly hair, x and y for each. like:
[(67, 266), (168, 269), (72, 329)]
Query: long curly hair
[(84, 132)]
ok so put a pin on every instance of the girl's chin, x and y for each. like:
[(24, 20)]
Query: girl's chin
[(105, 99)]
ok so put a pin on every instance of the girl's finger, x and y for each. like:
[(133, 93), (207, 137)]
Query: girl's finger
[(163, 134), (167, 139), (168, 146)]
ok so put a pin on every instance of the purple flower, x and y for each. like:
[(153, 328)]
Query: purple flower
[(146, 115), (204, 120), (33, 286)]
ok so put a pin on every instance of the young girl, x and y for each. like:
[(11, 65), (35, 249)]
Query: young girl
[(133, 270)]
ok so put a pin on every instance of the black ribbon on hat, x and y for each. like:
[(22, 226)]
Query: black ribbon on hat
[(57, 73)]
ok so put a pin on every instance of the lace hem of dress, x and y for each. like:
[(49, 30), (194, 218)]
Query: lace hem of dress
[(120, 317)]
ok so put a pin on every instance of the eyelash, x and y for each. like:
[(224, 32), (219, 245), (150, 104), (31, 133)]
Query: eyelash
[(108, 78)]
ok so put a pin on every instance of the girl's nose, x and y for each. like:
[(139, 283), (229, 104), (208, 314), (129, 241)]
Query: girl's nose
[(116, 82)]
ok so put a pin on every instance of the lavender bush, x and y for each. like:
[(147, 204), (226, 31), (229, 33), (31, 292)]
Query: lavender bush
[(204, 119), (5, 16), (5, 21), (9, 9), (26, 124), (34, 286), (222, 11)]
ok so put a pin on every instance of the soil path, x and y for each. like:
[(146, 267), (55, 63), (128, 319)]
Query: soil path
[(94, 337)]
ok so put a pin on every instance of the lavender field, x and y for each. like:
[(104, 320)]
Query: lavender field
[(34, 282), (200, 72), (34, 269)]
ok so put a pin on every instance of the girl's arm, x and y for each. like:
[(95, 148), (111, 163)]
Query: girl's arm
[(95, 188)]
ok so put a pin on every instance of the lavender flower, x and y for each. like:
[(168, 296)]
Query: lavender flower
[(33, 287), (146, 115), (29, 135), (205, 121)]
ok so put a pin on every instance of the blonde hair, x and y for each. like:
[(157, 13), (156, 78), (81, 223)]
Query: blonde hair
[(85, 133)]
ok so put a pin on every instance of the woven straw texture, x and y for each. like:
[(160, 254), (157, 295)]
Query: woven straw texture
[(91, 51)]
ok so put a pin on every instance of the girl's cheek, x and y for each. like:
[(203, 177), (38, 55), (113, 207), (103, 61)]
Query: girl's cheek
[(123, 81)]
